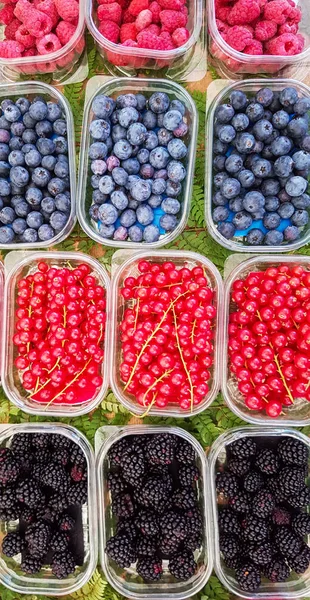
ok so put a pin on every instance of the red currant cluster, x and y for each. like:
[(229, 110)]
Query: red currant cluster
[(269, 337), (167, 335), (60, 329)]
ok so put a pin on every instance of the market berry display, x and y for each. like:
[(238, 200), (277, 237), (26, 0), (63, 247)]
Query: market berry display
[(138, 165), (158, 517), (44, 486), (262, 525), (261, 164)]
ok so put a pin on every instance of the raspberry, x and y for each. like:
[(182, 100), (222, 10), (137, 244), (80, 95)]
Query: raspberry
[(48, 44), (128, 17), (37, 23), (286, 44), (110, 12), (23, 36), (278, 11), (255, 48), (149, 40), (11, 28), (155, 29), (301, 42), (243, 12), (172, 19), (170, 4), (144, 19), (110, 31), (166, 40), (10, 49), (30, 52), (265, 30), (68, 10), (223, 13), (136, 6), (48, 7), (239, 37), (180, 36), (128, 32), (295, 14), (65, 31), (155, 10), (7, 14), (288, 27), (222, 27)]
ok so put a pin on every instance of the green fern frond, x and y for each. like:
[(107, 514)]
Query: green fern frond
[(93, 590), (214, 590), (111, 405), (196, 218)]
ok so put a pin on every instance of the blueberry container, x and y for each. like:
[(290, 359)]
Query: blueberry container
[(297, 586), (113, 88), (296, 415), (123, 267), (45, 582), (17, 266), (126, 581), (30, 90), (249, 87)]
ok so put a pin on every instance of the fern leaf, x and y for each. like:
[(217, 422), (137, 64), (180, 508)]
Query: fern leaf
[(93, 590)]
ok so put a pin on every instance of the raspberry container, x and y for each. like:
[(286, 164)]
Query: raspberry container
[(17, 266), (45, 582), (297, 586), (296, 415), (126, 581), (31, 89), (122, 267), (113, 88), (249, 87)]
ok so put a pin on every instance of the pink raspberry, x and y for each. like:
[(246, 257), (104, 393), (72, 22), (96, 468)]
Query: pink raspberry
[(144, 19), (110, 12), (65, 31), (153, 28), (222, 27), (295, 14), (265, 30), (30, 52), (255, 47), (286, 44), (223, 13), (11, 28), (277, 11), (262, 3), (10, 49), (108, 29), (155, 10), (172, 19), (136, 6), (180, 36), (166, 40), (128, 17), (301, 41), (48, 44), (37, 22), (24, 37), (7, 14), (8, 1), (243, 12), (67, 9), (128, 32), (288, 27), (148, 40), (170, 4), (48, 7), (238, 37)]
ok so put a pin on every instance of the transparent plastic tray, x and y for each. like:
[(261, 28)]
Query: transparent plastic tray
[(126, 581), (18, 265), (297, 586), (114, 87), (45, 582)]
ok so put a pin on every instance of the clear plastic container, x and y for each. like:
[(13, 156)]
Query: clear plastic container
[(129, 267), (249, 87), (60, 64), (1, 305), (31, 89), (296, 415), (115, 87), (128, 61), (11, 575), (19, 265), (231, 63), (126, 581), (297, 586)]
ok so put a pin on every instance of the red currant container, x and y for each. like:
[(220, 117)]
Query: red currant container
[(249, 87), (44, 582), (297, 586), (297, 413), (126, 581), (113, 88), (19, 265), (128, 267)]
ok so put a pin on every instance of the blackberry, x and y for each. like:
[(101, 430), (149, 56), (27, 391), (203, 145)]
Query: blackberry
[(61, 456), (300, 563), (66, 523), (158, 470), (273, 484), (58, 502), (147, 523), (9, 469), (262, 554), (63, 564), (243, 448), (55, 476), (38, 537), (233, 563), (241, 502), (253, 481), (185, 498), (45, 513), (77, 493), (77, 456), (229, 546), (78, 474), (227, 484), (160, 448), (287, 542), (138, 443), (133, 468), (194, 520), (8, 497), (10, 514), (248, 577), (150, 569), (293, 452), (145, 547), (59, 541), (263, 503), (117, 451), (182, 565), (122, 505), (27, 515), (31, 565), (185, 453), (281, 516), (300, 499), (168, 545), (25, 459), (154, 493), (193, 541), (174, 524), (255, 529), (12, 544), (39, 441), (60, 442), (267, 461), (21, 442), (29, 493), (36, 472), (5, 453), (239, 466), (120, 549), (228, 522), (301, 524), (188, 474), (277, 570), (43, 457), (126, 527), (291, 481), (116, 484)]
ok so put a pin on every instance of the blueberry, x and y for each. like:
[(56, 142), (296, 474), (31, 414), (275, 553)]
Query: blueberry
[(56, 186), (43, 129), (219, 147), (171, 206), (17, 129), (254, 111), (151, 140), (45, 233), (98, 197), (286, 210), (238, 99), (133, 203), (119, 133), (230, 188), (38, 110), (219, 200), (258, 148), (267, 114), (4, 124), (19, 226), (272, 203), (225, 113), (264, 96), (131, 166), (235, 205), (219, 162), (258, 214), (34, 220), (227, 230), (136, 134), (226, 134), (103, 106), (141, 191), (246, 178), (291, 233), (94, 212), (45, 146), (7, 215), (280, 119), (23, 104), (106, 184), (159, 157), (60, 127), (132, 180), (5, 187), (63, 203), (4, 171), (262, 129), (298, 127), (301, 160), (288, 96), (126, 100), (220, 213), (12, 113), (159, 186), (97, 167), (149, 119), (255, 237), (100, 129), (28, 147), (168, 222), (143, 156), (128, 218), (135, 233), (122, 149), (141, 101), (299, 218), (4, 151), (119, 200), (16, 143), (127, 116), (273, 238), (144, 214), (33, 158), (245, 143), (270, 187), (6, 235), (302, 106), (242, 220), (173, 188), (30, 236), (22, 209), (296, 186), (19, 176), (253, 201), (271, 220), (34, 196), (281, 146), (240, 122), (151, 234), (283, 166), (176, 171), (94, 180), (28, 121), (54, 111), (61, 145), (120, 234), (161, 174), (234, 163), (218, 180), (29, 136), (155, 200), (4, 136), (120, 176), (177, 149), (146, 171), (305, 143), (159, 102), (302, 201)]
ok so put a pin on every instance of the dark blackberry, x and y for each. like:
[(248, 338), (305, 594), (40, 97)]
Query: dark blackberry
[(59, 541), (61, 456), (291, 481), (277, 570), (227, 484), (138, 443), (239, 466), (39, 441), (281, 516), (10, 514), (253, 481), (63, 564), (120, 549), (147, 523), (122, 505), (301, 524), (77, 456), (233, 563), (21, 442), (267, 461), (167, 478), (66, 523), (13, 543), (228, 522), (168, 545), (300, 499), (188, 474), (133, 468), (293, 452), (26, 461), (185, 453), (184, 499), (117, 450), (263, 503), (174, 524), (182, 565), (55, 476), (241, 502), (46, 513), (31, 565), (150, 569), (28, 492), (273, 485), (248, 577), (5, 453), (127, 528), (58, 502), (145, 546), (116, 484), (27, 515), (243, 448), (287, 542), (160, 448), (160, 470), (194, 520), (8, 497), (154, 493), (36, 472), (43, 457), (77, 493), (300, 563), (9, 469), (193, 541), (78, 474), (38, 538), (60, 442), (262, 554), (255, 529), (229, 546)]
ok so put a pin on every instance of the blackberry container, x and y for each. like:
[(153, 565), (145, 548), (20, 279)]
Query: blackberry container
[(31, 89), (297, 586), (126, 581), (18, 265), (297, 415), (113, 88), (128, 267), (251, 87), (45, 582)]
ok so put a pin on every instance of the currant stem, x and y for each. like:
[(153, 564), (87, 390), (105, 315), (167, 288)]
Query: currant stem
[(165, 374), (70, 383), (182, 359), (149, 406), (136, 315)]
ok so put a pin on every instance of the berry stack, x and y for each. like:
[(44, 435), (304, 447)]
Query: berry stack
[(262, 496), (44, 485), (153, 484)]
